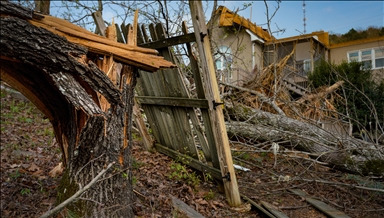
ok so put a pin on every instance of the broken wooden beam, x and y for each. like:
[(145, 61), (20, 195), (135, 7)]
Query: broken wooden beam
[(273, 210), (185, 208), (258, 206), (142, 58), (323, 207)]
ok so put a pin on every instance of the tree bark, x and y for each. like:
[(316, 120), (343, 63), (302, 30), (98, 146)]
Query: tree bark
[(348, 154)]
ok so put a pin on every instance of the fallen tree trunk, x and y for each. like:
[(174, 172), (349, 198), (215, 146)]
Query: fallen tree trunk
[(347, 153)]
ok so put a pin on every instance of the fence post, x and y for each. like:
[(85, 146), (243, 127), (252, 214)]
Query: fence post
[(215, 107)]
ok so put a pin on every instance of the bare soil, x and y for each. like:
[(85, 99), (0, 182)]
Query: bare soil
[(29, 152)]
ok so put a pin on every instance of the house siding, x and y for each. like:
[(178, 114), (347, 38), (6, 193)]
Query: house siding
[(239, 41), (303, 51), (339, 54)]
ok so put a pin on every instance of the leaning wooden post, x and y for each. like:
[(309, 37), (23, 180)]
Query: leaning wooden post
[(215, 104)]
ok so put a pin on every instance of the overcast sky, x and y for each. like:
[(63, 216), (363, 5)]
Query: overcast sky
[(330, 16)]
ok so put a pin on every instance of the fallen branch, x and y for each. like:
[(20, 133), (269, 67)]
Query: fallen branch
[(262, 97), (321, 94), (77, 194)]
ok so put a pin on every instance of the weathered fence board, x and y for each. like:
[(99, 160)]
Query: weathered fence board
[(171, 125), (173, 115), (210, 152)]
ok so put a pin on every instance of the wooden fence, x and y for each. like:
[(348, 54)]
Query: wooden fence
[(179, 123), (184, 127)]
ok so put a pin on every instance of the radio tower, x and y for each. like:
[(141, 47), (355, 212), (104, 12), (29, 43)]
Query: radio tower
[(304, 18)]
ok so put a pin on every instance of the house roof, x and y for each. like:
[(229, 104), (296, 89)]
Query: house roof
[(228, 18), (357, 42), (320, 36)]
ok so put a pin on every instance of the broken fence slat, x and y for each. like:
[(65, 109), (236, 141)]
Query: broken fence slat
[(272, 209), (181, 206), (119, 34), (323, 207), (258, 206), (98, 18)]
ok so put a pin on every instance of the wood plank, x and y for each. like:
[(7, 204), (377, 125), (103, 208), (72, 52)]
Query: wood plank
[(140, 37), (258, 206), (175, 87), (124, 31), (177, 40), (161, 115), (193, 163), (156, 122), (323, 207), (152, 31), (130, 35), (66, 27), (330, 211), (145, 35), (145, 88), (273, 210), (135, 24), (144, 61), (119, 35), (181, 206), (172, 101), (137, 116), (209, 150), (99, 21), (212, 95)]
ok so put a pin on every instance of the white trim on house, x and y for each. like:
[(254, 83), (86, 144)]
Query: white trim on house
[(254, 39)]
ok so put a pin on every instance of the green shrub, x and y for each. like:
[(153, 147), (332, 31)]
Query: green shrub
[(362, 98)]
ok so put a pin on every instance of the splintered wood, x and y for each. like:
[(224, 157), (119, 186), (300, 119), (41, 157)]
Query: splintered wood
[(143, 58), (268, 92)]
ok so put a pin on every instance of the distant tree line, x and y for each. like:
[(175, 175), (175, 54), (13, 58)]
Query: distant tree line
[(353, 34)]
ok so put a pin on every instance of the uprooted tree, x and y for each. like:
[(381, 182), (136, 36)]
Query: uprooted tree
[(89, 108)]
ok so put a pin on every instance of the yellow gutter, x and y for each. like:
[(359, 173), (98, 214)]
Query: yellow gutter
[(357, 42), (322, 37)]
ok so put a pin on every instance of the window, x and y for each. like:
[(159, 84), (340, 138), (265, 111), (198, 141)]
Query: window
[(353, 56), (223, 60), (307, 67), (379, 57), (373, 58), (366, 58)]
